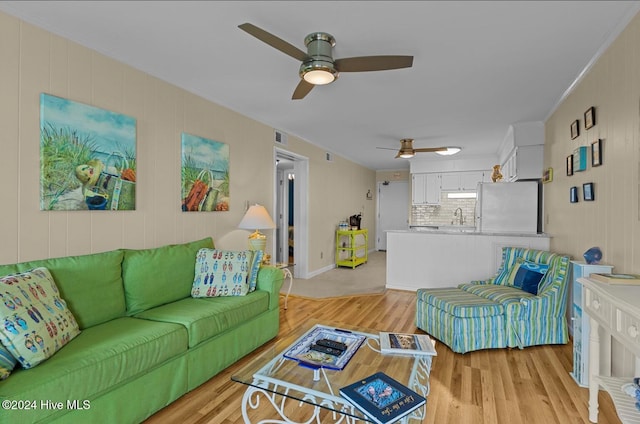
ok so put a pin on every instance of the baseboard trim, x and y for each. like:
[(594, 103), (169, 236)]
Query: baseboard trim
[(321, 270), (403, 288)]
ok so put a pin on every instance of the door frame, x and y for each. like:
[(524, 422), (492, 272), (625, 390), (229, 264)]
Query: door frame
[(300, 209)]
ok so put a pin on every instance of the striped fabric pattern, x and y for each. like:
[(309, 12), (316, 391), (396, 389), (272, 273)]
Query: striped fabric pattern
[(461, 334), (459, 303), (486, 314)]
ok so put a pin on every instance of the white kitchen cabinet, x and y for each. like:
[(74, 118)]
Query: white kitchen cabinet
[(461, 181), (525, 163), (425, 189), (433, 188), (469, 180), (418, 190)]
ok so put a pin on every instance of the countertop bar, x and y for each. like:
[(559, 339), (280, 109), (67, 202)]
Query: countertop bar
[(446, 258), (466, 231)]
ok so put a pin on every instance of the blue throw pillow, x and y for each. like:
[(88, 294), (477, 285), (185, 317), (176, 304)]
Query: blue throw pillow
[(527, 275)]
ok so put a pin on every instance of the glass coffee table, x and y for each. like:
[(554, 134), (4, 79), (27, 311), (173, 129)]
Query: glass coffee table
[(288, 386)]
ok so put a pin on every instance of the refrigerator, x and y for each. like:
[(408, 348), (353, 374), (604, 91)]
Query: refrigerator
[(508, 207)]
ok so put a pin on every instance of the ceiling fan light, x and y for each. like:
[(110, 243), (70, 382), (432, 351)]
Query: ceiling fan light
[(407, 155), (318, 72), (450, 151), (319, 77)]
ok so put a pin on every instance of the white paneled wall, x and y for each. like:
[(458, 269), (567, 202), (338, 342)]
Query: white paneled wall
[(34, 61), (612, 221)]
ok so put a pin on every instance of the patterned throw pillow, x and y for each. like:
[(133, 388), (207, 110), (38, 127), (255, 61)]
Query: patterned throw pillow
[(36, 321), (527, 275), (225, 272)]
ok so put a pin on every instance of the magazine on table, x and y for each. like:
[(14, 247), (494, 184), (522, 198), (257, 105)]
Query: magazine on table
[(308, 350), (382, 398), (616, 278), (407, 344)]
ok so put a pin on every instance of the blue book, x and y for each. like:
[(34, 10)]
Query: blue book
[(382, 398)]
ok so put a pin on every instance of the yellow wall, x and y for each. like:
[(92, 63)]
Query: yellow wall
[(35, 61), (612, 221)]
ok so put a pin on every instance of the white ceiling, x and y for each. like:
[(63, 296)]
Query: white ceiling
[(478, 66)]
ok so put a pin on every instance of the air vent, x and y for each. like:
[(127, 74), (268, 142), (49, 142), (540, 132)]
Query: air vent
[(280, 137)]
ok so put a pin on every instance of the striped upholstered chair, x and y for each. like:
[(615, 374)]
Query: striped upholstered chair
[(523, 305)]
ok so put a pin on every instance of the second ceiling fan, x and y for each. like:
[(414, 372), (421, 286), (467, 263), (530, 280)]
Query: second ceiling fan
[(407, 151), (318, 65)]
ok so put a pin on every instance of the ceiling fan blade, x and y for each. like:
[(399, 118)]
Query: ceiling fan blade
[(430, 149), (302, 90), (274, 41), (387, 148), (373, 63)]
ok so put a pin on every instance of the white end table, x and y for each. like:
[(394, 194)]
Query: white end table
[(286, 268)]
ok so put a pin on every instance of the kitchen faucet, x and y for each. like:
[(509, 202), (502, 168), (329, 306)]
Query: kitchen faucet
[(461, 218)]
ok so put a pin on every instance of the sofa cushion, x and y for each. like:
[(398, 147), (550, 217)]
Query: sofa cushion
[(207, 317), (225, 272), (98, 360), (496, 293), (37, 322), (79, 279), (160, 275), (459, 303)]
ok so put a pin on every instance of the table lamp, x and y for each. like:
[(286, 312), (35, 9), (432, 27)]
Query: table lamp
[(257, 218)]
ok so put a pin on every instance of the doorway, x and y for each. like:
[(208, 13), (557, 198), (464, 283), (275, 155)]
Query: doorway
[(393, 210), (291, 200)]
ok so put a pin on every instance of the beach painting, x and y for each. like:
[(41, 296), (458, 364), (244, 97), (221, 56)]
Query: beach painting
[(87, 157), (205, 174)]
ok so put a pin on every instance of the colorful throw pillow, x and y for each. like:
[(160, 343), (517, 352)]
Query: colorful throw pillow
[(526, 275), (225, 272), (36, 321), (7, 362)]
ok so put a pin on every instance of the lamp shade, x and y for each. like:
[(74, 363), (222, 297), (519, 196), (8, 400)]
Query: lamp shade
[(256, 218)]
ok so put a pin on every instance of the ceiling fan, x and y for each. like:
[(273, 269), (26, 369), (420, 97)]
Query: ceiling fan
[(318, 65), (407, 151)]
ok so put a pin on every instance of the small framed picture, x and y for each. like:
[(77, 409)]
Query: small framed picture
[(573, 194), (587, 192), (575, 129), (569, 165), (547, 175), (589, 118), (596, 153)]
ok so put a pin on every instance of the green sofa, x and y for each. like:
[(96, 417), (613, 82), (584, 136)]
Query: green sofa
[(144, 340)]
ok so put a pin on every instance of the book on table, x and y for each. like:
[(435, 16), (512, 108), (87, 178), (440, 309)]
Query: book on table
[(382, 398), (406, 344), (616, 278)]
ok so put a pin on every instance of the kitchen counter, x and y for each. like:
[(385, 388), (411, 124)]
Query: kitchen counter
[(463, 231), (448, 257)]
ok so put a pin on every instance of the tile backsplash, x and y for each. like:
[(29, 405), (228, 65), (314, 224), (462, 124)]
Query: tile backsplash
[(442, 214)]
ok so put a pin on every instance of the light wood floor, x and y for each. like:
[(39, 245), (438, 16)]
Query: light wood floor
[(508, 386)]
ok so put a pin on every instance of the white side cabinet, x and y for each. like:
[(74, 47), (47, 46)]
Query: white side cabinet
[(579, 323), (613, 310)]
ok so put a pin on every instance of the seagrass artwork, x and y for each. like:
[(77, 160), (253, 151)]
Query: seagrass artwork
[(205, 174), (87, 157)]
